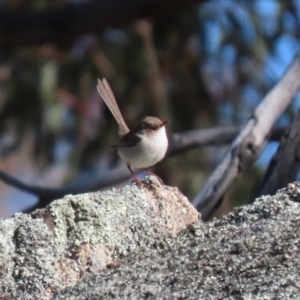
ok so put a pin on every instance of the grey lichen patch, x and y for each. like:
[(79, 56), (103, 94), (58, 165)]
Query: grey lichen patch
[(123, 219), (253, 253), (292, 191), (52, 248), (27, 259), (64, 216), (6, 254)]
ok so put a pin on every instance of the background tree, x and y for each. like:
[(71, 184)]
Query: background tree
[(200, 66)]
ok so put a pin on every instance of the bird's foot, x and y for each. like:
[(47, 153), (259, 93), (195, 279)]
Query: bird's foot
[(137, 181), (151, 173)]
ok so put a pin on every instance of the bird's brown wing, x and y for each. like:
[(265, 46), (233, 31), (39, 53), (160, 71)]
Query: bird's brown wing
[(128, 140)]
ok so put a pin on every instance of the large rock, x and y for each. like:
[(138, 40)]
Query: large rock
[(147, 243), (253, 253), (51, 249)]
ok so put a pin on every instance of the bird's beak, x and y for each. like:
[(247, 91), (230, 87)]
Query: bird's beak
[(164, 123)]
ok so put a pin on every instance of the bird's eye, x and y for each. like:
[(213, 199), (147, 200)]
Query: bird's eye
[(149, 127)]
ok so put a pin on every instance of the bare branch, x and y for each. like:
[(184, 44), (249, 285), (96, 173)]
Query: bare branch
[(251, 140), (217, 136), (285, 164), (179, 142), (116, 175)]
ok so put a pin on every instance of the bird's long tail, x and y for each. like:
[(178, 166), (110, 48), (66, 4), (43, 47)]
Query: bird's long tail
[(107, 95)]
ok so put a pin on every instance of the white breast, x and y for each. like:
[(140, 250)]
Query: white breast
[(149, 151)]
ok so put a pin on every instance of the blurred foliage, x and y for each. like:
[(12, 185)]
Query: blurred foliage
[(216, 63)]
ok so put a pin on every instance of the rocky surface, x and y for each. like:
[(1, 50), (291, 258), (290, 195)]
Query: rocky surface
[(147, 243), (51, 249), (253, 253)]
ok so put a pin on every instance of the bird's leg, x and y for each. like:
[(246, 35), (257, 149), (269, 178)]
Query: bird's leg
[(136, 180), (151, 173)]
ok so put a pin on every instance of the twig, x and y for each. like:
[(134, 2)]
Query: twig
[(157, 83), (101, 61)]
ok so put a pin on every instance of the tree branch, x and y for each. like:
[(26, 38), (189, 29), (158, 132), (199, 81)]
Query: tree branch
[(178, 142), (217, 136), (248, 145), (285, 164)]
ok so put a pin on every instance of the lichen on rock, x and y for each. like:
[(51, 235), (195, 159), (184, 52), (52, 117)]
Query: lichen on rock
[(52, 248)]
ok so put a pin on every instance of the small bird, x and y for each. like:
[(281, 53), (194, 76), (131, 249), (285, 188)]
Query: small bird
[(143, 146)]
